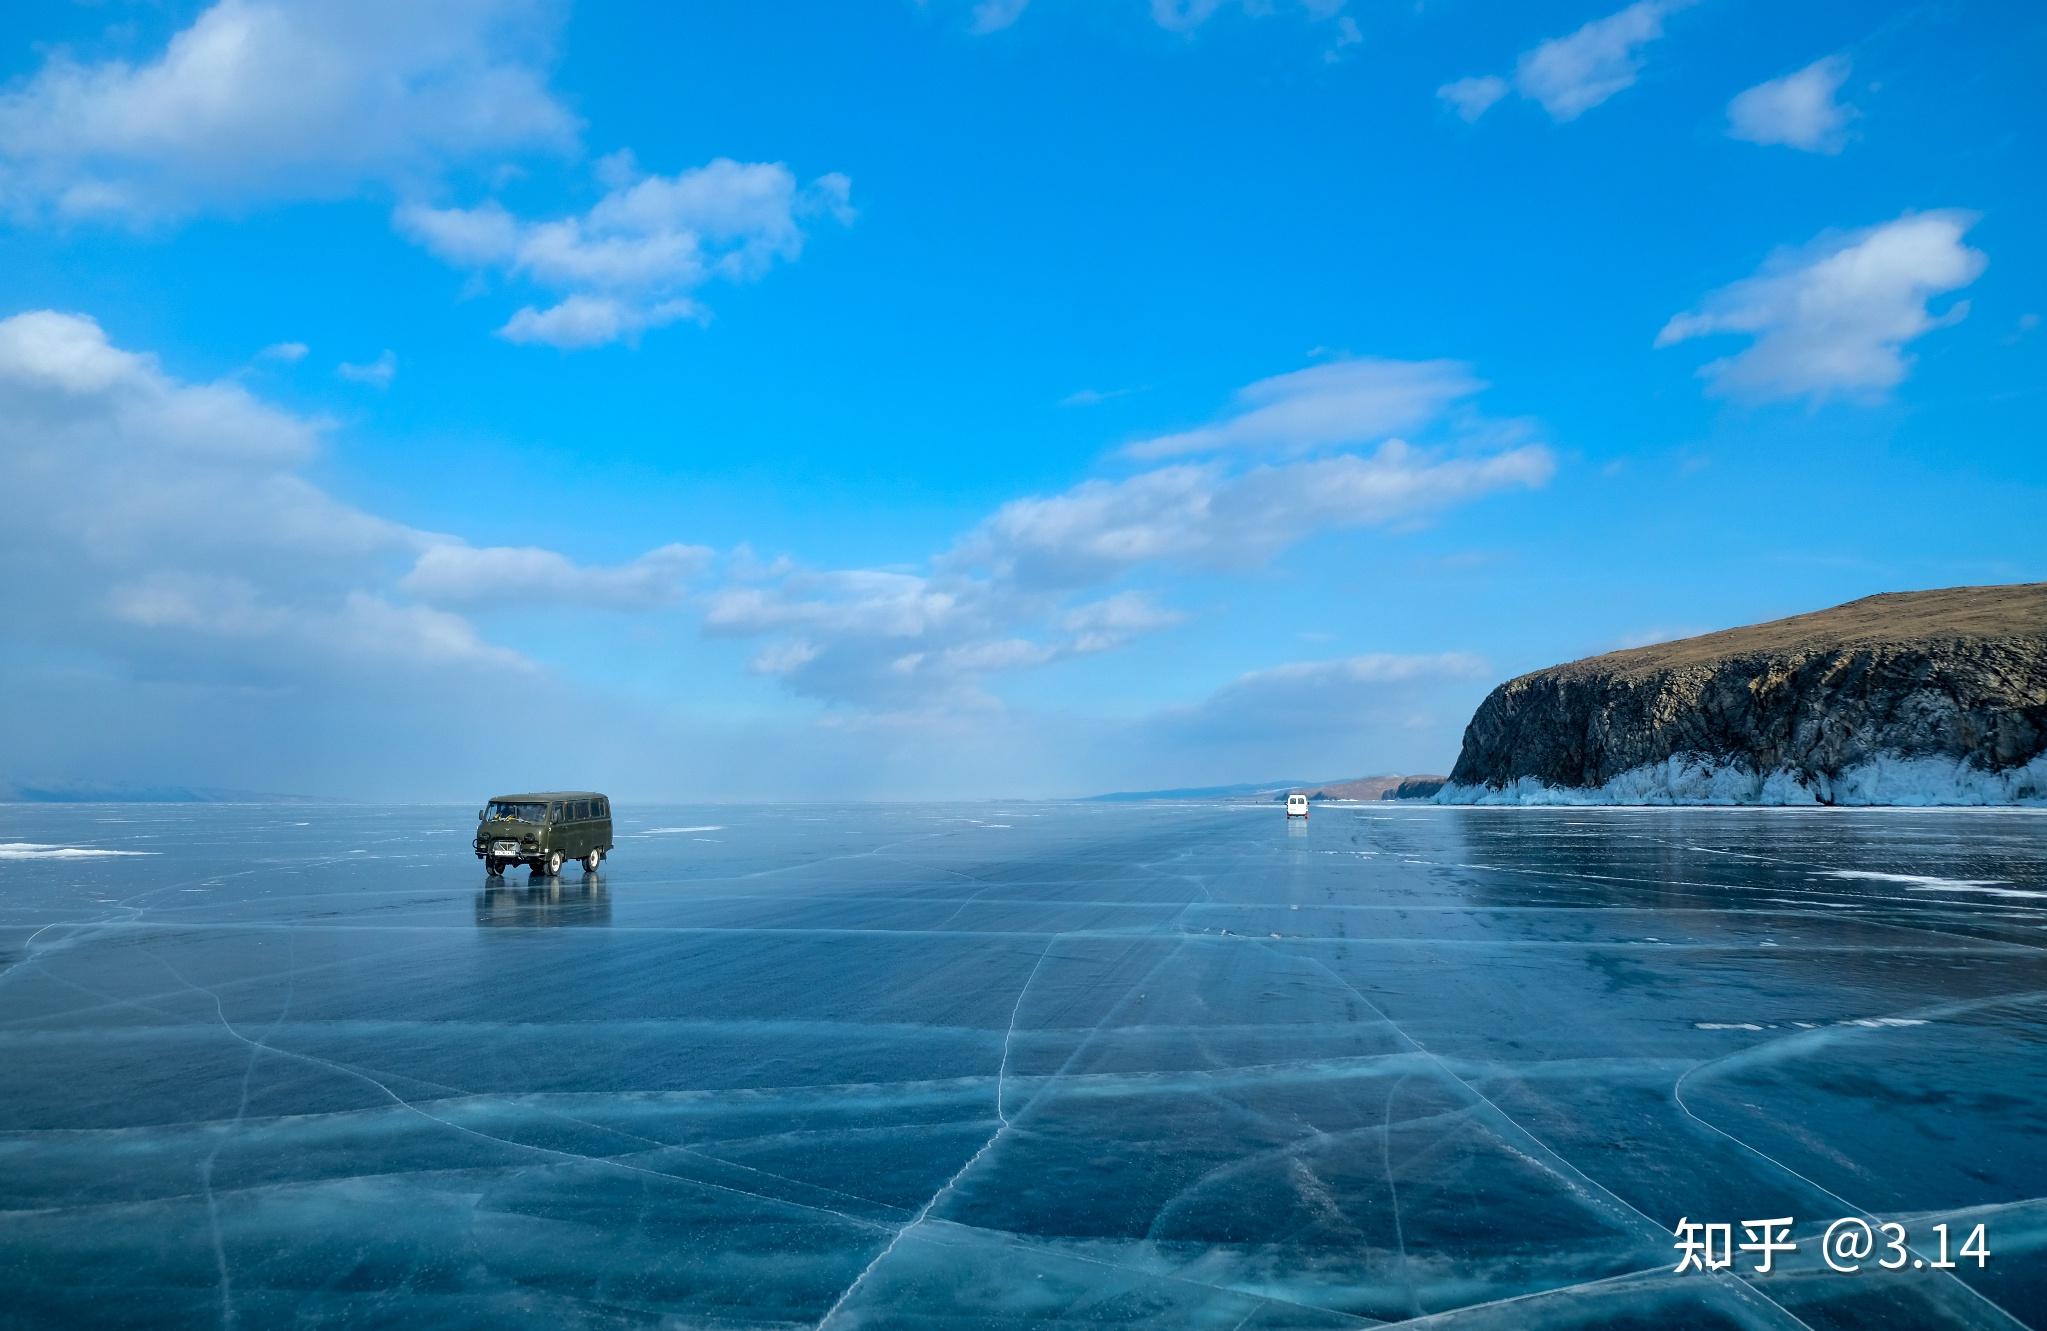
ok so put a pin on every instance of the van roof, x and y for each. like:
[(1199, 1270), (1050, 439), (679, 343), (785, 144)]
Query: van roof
[(550, 795)]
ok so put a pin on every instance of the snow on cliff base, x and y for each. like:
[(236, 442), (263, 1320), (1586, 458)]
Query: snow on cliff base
[(1924, 782)]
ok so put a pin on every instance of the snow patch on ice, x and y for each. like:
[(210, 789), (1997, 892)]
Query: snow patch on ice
[(1916, 879), (1868, 1023), (1894, 781), (1982, 889), (1914, 882), (36, 850)]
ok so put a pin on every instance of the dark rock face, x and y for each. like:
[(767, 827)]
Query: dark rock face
[(1958, 674)]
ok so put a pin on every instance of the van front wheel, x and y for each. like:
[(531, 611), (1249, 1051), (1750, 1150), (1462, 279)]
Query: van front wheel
[(554, 864), (494, 866), (590, 862)]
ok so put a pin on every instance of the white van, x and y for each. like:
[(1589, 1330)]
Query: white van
[(1297, 805)]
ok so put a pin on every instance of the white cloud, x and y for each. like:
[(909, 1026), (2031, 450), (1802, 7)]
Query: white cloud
[(217, 603), (1348, 401), (880, 602), (1834, 318), (1182, 15), (782, 658), (1347, 34), (1798, 110), (582, 321), (1011, 594), (995, 15), (1187, 15), (377, 373), (976, 658), (1319, 714), (457, 574), (1570, 75), (171, 508), (593, 321), (289, 352), (1473, 97), (169, 528), (875, 638), (1209, 516), (1094, 397), (1099, 626), (634, 260), (361, 625), (66, 382), (413, 634), (914, 642), (259, 100), (1371, 668), (472, 237), (988, 16)]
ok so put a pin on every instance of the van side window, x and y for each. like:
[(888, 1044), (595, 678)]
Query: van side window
[(602, 808), (582, 810), (554, 813)]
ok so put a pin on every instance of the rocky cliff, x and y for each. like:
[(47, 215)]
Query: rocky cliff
[(1914, 697)]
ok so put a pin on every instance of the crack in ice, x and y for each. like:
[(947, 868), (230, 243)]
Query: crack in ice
[(1815, 1036), (1001, 1078)]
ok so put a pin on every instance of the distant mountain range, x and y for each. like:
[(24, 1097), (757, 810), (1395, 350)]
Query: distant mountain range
[(1355, 788)]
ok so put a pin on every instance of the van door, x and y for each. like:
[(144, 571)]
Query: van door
[(575, 830)]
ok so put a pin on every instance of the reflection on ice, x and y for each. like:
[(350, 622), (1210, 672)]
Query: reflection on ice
[(544, 903), (1068, 1065)]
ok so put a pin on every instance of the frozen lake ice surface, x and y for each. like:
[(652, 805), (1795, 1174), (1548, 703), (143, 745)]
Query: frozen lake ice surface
[(1020, 1065)]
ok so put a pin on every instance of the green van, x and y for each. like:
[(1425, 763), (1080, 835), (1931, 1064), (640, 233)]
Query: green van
[(544, 831)]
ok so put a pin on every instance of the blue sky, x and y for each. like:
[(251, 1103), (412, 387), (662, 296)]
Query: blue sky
[(949, 399)]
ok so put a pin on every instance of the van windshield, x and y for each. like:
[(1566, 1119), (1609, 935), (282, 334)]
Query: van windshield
[(518, 811)]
